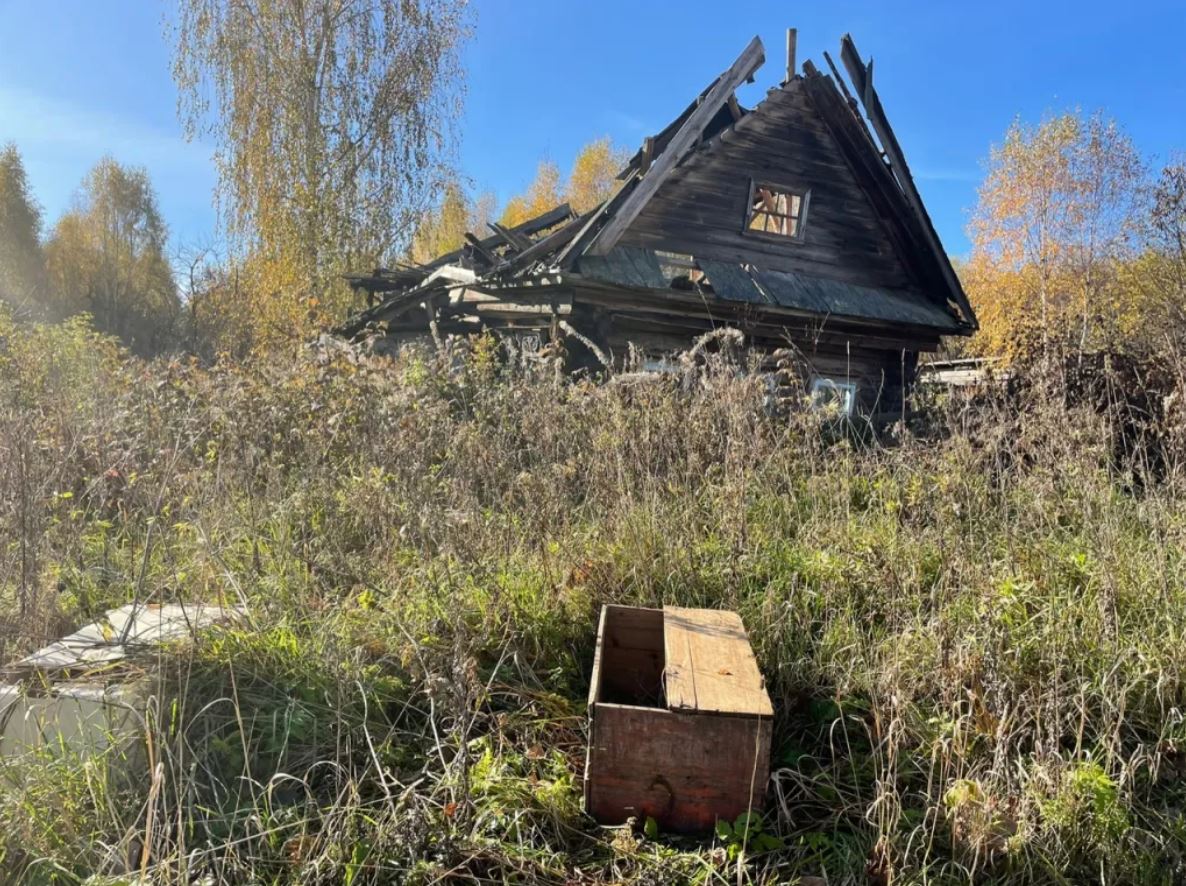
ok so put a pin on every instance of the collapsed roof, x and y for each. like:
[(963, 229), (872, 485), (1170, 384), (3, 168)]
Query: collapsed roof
[(562, 247)]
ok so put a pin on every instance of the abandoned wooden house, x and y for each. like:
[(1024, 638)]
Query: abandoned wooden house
[(796, 222)]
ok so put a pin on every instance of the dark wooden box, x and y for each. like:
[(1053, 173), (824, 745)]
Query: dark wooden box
[(680, 721)]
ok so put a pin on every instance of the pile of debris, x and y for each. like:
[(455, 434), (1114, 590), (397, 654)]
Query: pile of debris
[(86, 692)]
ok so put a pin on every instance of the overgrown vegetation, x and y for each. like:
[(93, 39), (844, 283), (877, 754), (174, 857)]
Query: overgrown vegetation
[(971, 633)]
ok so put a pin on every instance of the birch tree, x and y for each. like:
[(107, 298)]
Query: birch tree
[(332, 122), (1058, 213), (594, 174)]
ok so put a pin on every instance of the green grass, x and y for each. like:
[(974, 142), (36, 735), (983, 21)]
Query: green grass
[(973, 637)]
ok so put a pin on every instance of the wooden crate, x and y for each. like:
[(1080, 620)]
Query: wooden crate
[(680, 721)]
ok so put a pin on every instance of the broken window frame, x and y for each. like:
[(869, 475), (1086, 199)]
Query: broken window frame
[(674, 265), (829, 394), (799, 220)]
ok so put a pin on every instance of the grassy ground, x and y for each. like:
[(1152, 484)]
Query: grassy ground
[(973, 641)]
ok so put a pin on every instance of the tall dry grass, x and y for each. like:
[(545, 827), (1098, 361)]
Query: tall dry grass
[(971, 630)]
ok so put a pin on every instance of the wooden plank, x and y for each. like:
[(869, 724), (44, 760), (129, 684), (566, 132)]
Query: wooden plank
[(735, 108), (648, 153), (485, 254), (433, 289), (595, 680), (693, 311), (549, 244), (533, 225), (683, 140), (724, 247), (510, 307), (684, 770), (710, 665)]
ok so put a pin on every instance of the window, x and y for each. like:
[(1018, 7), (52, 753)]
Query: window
[(830, 395), (659, 365), (776, 210)]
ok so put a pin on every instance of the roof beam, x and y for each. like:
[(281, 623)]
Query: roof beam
[(739, 72), (480, 249), (516, 241), (546, 245), (435, 285), (383, 280), (648, 153), (862, 81)]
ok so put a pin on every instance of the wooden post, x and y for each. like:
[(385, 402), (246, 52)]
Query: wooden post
[(792, 38)]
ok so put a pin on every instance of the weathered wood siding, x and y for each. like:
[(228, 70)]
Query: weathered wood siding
[(701, 208), (878, 374), (684, 770)]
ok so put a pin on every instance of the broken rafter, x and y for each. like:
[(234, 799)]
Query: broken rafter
[(439, 282), (541, 222), (681, 142), (480, 249), (840, 81), (648, 154), (546, 245), (515, 240), (792, 40), (383, 280), (862, 80)]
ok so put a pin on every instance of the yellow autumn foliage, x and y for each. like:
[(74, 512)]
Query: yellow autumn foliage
[(1055, 221)]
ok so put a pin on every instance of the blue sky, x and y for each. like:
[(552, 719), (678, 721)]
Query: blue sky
[(81, 79)]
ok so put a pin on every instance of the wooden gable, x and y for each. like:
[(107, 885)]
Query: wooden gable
[(700, 209)]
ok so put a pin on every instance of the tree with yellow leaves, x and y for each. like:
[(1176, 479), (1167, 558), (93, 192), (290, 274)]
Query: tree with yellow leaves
[(106, 256), (443, 228), (332, 120), (590, 182), (594, 173), (1057, 216), (542, 194), (1151, 299)]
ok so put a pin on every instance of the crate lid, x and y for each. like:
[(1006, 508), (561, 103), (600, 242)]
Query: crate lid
[(710, 666)]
